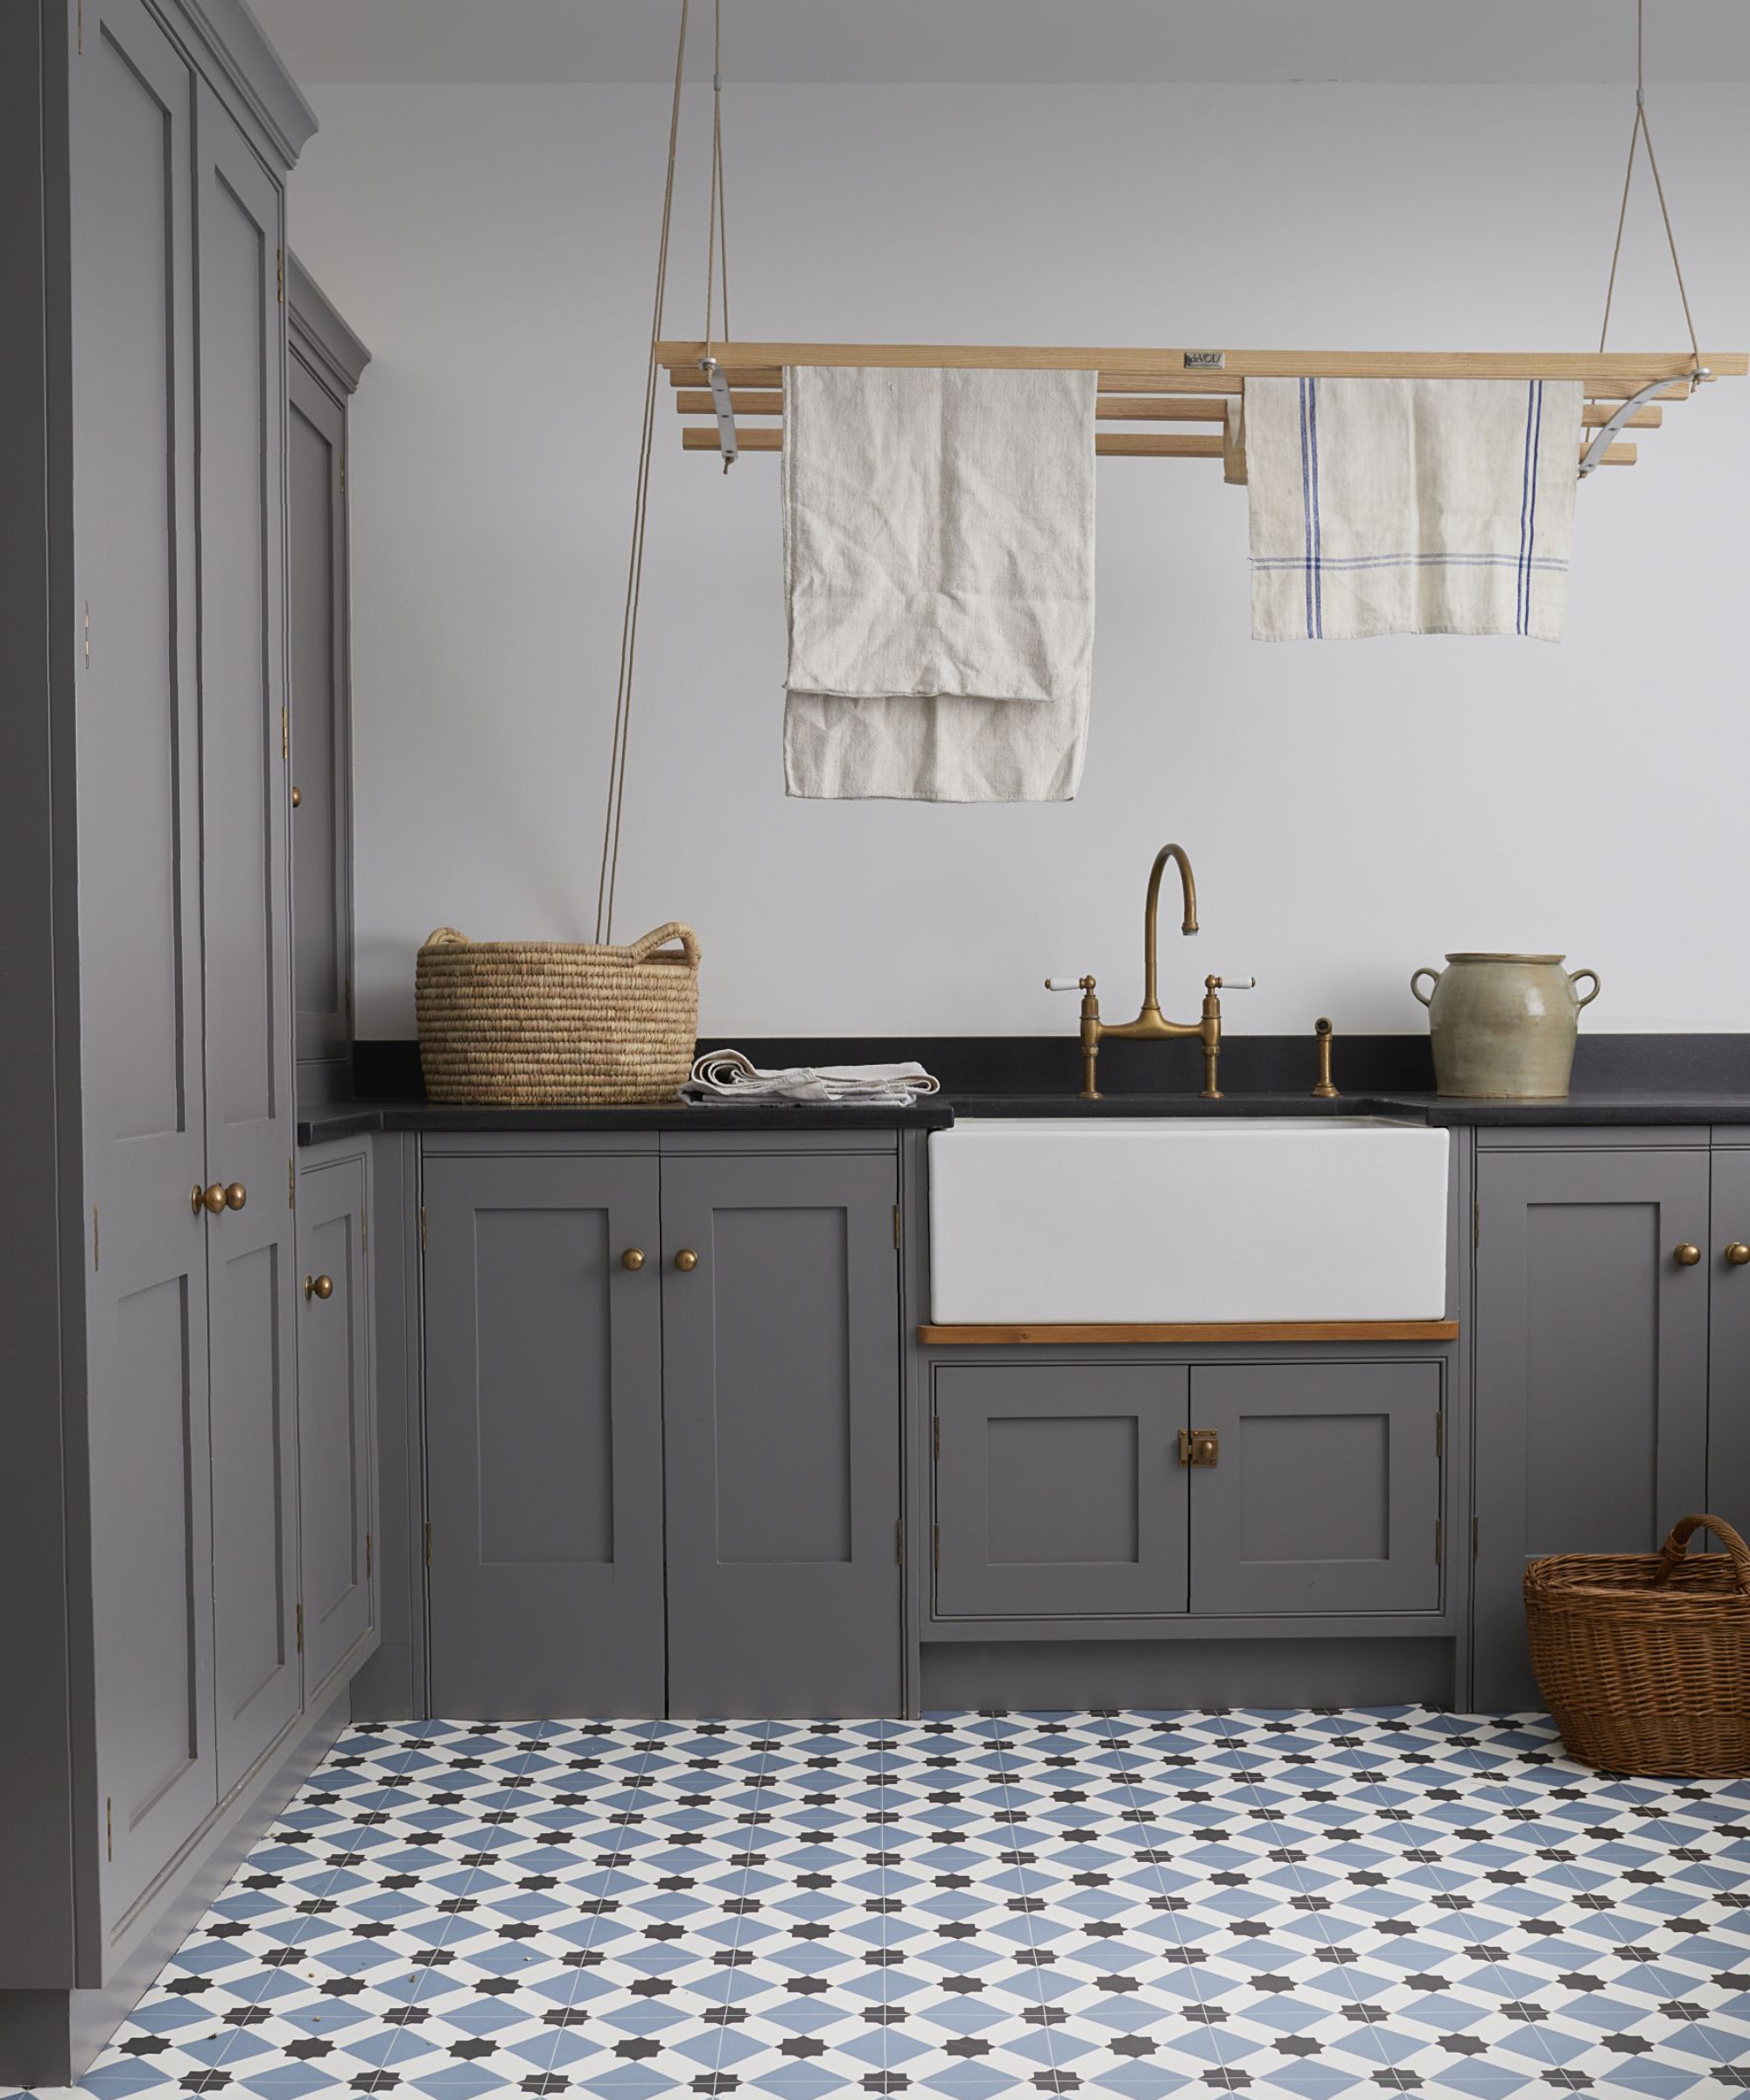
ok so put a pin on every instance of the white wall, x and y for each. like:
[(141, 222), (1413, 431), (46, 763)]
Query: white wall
[(1353, 810)]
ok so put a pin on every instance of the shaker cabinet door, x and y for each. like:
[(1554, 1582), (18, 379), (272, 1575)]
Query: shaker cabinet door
[(138, 728), (247, 918), (543, 1436), (1591, 1345), (1325, 1493), (781, 1418), (1059, 1491), (334, 1415)]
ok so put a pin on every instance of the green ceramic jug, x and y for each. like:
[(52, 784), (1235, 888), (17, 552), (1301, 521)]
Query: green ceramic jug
[(1503, 1027)]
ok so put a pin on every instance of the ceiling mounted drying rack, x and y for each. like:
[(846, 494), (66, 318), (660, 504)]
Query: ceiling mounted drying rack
[(1624, 390)]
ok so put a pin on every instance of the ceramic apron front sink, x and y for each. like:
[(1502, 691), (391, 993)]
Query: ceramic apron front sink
[(1210, 1218)]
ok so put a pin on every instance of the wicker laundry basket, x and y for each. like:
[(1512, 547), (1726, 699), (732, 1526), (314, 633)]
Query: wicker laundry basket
[(532, 1024), (1644, 1658)]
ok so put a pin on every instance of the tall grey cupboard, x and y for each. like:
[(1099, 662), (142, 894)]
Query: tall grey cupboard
[(147, 1118)]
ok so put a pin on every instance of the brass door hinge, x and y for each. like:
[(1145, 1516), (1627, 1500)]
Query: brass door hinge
[(300, 1629), (422, 1229), (896, 1225), (1440, 1433), (427, 1545), (285, 734), (96, 1245), (343, 473), (367, 1554), (279, 272), (81, 28), (935, 1438), (292, 1182), (109, 1827), (87, 634), (900, 1541), (935, 1545)]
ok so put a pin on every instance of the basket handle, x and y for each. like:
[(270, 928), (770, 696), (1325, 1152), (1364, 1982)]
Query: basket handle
[(445, 936), (660, 936), (1673, 1550)]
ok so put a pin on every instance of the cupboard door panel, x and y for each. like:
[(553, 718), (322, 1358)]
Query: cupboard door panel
[(246, 921), (1326, 1493), (1728, 1386), (782, 1426), (316, 512), (334, 1417), (138, 724), (543, 1437), (1059, 1491), (1591, 1348)]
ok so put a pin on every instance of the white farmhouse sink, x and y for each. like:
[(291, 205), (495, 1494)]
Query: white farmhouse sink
[(1195, 1218)]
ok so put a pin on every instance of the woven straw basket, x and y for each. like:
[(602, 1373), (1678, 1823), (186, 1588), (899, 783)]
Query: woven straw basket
[(1644, 1658), (530, 1024)]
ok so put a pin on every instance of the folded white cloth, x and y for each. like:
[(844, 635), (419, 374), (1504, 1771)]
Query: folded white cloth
[(727, 1075), (1411, 506), (939, 574)]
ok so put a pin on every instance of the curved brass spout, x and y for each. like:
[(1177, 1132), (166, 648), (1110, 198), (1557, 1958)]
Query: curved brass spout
[(1187, 882)]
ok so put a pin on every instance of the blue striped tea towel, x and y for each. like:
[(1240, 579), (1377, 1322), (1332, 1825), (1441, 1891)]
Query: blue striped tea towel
[(1411, 506)]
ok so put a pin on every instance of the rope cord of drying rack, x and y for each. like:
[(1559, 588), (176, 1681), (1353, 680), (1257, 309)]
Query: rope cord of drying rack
[(640, 510), (1637, 133)]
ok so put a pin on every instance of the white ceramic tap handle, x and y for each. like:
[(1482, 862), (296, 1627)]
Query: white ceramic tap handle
[(1234, 983), (1066, 984)]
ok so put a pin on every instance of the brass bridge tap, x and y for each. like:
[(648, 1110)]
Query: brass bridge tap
[(1150, 1025)]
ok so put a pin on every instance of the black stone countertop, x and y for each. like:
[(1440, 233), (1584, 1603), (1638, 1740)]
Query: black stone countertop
[(318, 1125)]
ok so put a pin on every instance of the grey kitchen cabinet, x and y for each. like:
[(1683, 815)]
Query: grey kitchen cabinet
[(780, 1383), (151, 1473), (1325, 1493), (543, 1426), (1059, 1491), (336, 1415), (1114, 1490), (1591, 1356), (325, 364)]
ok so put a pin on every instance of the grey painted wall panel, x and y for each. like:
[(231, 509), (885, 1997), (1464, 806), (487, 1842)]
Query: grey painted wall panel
[(781, 1421)]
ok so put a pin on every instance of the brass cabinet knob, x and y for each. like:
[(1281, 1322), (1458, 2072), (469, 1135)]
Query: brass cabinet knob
[(633, 1258), (297, 797), (207, 1199), (317, 1287), (686, 1259), (1738, 1254), (1686, 1254), (235, 1196)]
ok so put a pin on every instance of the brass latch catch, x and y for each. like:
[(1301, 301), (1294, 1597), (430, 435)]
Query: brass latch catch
[(1199, 1447)]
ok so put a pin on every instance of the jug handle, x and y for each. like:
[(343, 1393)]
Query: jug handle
[(1574, 977), (1427, 997)]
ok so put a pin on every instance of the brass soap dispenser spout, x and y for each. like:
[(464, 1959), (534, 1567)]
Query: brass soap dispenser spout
[(1150, 1025)]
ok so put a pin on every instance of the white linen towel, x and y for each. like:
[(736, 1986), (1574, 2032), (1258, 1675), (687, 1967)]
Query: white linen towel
[(1411, 506), (727, 1075), (938, 576)]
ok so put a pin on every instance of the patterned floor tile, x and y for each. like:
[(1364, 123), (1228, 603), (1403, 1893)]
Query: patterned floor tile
[(1296, 1904)]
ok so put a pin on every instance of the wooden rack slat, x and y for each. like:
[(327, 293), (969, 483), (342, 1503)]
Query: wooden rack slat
[(1116, 407), (1135, 445), (1623, 370)]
